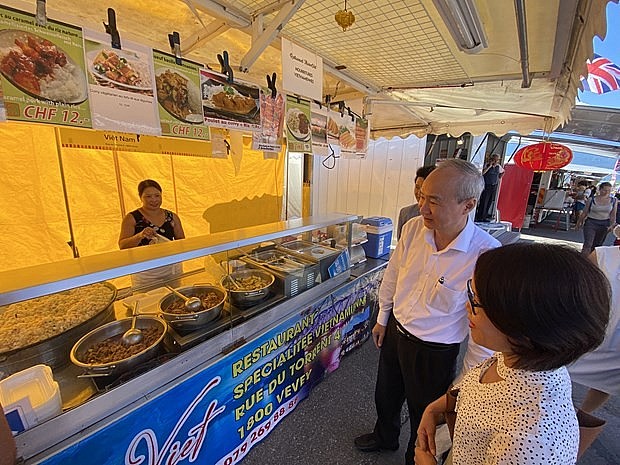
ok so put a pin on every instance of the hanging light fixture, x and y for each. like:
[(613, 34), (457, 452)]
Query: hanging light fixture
[(464, 24), (344, 18)]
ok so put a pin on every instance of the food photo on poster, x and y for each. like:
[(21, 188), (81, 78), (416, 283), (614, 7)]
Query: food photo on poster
[(297, 122), (43, 73), (178, 96), (121, 85), (333, 128), (362, 135), (233, 105), (318, 124), (124, 70), (346, 137), (269, 138)]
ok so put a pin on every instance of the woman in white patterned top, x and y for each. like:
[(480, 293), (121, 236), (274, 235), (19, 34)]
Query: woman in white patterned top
[(540, 307)]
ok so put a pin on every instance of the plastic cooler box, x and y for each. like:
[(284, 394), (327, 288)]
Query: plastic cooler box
[(379, 232), (30, 397)]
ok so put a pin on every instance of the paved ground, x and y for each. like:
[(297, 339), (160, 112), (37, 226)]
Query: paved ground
[(322, 428)]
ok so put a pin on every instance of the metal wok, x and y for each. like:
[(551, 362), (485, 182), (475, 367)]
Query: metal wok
[(246, 297), (191, 321)]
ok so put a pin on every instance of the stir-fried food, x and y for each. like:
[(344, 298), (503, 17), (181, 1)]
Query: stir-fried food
[(114, 349), (117, 68), (249, 283), (173, 94), (32, 321), (33, 60), (208, 300)]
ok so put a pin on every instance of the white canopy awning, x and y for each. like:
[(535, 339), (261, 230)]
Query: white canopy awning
[(399, 54)]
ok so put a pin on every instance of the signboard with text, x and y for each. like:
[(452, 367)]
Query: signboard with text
[(218, 415), (53, 91), (302, 71), (121, 85)]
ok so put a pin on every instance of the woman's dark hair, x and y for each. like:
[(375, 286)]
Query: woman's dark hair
[(550, 301), (604, 184), (424, 171), (148, 183)]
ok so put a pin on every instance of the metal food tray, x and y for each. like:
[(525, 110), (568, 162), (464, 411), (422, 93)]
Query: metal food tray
[(293, 274), (317, 253)]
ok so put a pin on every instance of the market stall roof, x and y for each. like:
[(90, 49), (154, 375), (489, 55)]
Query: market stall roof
[(399, 53), (602, 123)]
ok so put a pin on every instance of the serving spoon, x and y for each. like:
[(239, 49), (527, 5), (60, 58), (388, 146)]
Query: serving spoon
[(133, 335), (192, 304), (229, 276)]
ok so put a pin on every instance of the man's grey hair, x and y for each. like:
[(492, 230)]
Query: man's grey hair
[(469, 183)]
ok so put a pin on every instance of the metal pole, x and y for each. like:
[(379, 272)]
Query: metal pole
[(71, 243), (119, 184)]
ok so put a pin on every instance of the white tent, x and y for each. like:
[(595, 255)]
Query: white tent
[(399, 54)]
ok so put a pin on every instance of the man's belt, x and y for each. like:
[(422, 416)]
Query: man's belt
[(432, 345)]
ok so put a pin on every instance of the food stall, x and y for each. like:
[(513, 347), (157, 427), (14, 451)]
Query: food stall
[(211, 391), (97, 117)]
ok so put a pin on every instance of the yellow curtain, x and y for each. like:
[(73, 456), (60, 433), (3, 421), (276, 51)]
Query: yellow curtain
[(208, 194)]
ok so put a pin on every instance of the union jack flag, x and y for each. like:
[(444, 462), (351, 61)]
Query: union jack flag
[(603, 76)]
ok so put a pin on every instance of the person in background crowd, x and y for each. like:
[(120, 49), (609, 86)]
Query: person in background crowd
[(142, 226), (422, 302), (592, 190), (597, 218), (8, 452), (492, 173), (411, 211), (516, 407), (581, 195), (600, 369)]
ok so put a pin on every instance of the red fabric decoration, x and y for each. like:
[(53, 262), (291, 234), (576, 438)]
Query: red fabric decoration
[(544, 156)]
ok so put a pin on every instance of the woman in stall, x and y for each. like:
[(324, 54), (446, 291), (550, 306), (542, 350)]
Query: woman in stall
[(148, 223), (540, 307), (151, 224)]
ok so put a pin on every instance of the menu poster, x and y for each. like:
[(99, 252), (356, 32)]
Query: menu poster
[(121, 85), (269, 138), (43, 73), (233, 105), (178, 95), (362, 134), (298, 132), (346, 138), (318, 124), (333, 128)]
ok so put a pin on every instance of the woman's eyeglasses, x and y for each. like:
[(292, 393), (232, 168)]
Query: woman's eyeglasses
[(472, 298)]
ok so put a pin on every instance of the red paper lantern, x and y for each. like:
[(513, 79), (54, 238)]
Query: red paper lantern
[(544, 156)]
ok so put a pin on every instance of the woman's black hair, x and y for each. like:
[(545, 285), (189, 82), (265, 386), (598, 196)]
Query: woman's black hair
[(148, 183), (550, 301)]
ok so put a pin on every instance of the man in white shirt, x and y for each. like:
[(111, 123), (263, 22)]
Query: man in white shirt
[(422, 302)]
